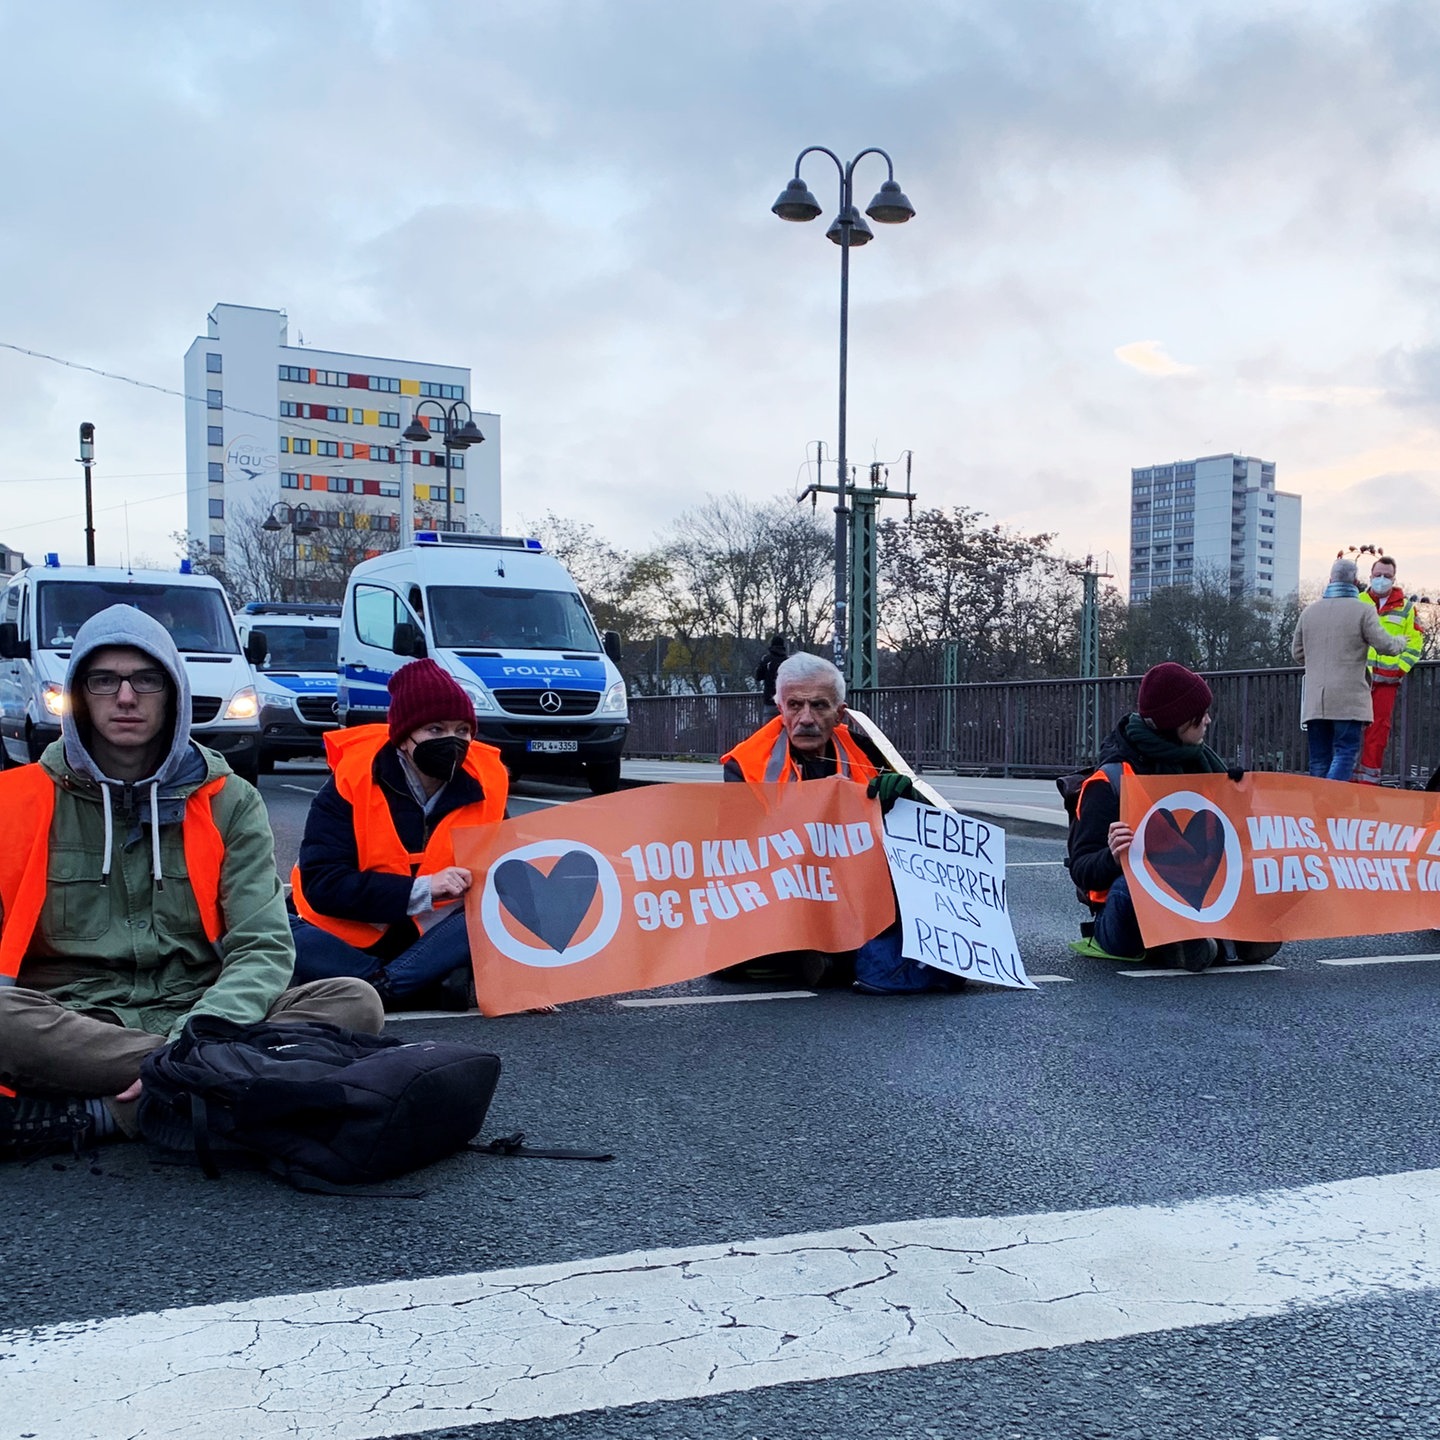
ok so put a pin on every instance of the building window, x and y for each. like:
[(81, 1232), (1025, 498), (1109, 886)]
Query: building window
[(214, 400), (297, 373), (331, 377), (217, 544), (437, 492), (357, 417), (299, 446), (327, 447), (284, 444), (389, 420), (386, 383), (390, 489), (289, 480), (459, 495), (434, 391), (214, 434), (217, 509), (217, 472), (348, 450), (212, 363), (289, 408), (339, 485), (383, 452), (457, 461)]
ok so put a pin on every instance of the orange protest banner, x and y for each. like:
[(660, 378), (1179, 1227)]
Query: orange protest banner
[(651, 886), (1279, 857)]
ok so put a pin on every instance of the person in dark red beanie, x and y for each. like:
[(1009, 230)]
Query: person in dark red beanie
[(1164, 735), (376, 888)]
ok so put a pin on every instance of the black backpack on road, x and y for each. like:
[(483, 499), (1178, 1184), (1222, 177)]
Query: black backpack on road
[(318, 1105)]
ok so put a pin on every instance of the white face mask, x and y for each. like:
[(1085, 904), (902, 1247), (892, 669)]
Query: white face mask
[(1381, 585)]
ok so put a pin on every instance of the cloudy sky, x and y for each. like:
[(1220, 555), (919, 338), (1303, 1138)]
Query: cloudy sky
[(1146, 231)]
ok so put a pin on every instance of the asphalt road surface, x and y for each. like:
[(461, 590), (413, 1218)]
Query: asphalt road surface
[(1120, 1206)]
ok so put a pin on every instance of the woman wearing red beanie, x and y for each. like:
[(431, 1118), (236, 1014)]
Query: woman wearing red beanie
[(1164, 735), (376, 885)]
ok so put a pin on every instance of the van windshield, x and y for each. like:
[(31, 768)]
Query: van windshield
[(299, 647), (196, 617), (485, 617)]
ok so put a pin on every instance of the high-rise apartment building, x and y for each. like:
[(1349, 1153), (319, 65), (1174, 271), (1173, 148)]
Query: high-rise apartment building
[(1220, 517), (267, 421)]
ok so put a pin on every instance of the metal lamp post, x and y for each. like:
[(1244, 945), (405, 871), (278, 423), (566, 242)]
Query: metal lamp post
[(87, 459), (462, 438), (889, 207), (300, 520)]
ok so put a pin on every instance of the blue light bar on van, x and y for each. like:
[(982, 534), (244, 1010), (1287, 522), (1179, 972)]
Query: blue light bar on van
[(186, 568), (52, 559), (479, 542)]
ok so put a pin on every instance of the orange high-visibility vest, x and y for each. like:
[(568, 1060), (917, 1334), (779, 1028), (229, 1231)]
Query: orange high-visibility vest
[(351, 754), (25, 860), (765, 756), (1098, 897)]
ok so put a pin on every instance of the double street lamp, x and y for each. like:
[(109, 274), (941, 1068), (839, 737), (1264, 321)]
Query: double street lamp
[(889, 207), (300, 520), (456, 437)]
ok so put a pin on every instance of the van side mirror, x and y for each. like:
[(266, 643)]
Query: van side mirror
[(409, 641), (12, 647), (257, 647), (611, 642)]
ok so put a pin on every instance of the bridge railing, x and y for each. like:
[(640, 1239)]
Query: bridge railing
[(1037, 727)]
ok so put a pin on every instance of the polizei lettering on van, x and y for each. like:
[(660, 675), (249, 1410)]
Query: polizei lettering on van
[(542, 672)]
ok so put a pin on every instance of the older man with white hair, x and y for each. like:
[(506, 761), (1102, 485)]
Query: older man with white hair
[(809, 740), (1333, 640)]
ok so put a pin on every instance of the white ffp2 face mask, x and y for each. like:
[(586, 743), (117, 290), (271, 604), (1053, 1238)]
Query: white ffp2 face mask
[(1381, 585)]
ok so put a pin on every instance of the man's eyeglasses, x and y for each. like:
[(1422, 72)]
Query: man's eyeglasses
[(142, 682)]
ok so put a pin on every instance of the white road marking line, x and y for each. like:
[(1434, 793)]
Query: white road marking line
[(432, 1015), (716, 999), (1379, 960), (1030, 864), (1053, 979), (303, 789), (1150, 974), (405, 1357)]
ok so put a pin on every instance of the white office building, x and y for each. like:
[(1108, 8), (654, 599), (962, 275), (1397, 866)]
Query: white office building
[(1220, 517), (267, 421)]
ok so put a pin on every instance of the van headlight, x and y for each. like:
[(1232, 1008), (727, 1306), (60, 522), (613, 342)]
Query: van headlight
[(479, 697), (614, 701), (273, 694), (54, 697), (243, 705)]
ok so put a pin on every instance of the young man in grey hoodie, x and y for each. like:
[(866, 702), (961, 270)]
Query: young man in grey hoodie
[(137, 888)]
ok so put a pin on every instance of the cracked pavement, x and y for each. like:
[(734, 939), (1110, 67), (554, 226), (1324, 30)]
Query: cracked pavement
[(652, 1326)]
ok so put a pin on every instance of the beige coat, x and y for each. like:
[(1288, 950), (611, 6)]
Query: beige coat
[(1332, 641)]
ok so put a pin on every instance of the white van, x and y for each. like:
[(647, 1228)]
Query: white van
[(508, 622), (293, 648), (43, 607)]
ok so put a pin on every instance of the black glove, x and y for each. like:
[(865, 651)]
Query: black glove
[(890, 787), (1236, 773)]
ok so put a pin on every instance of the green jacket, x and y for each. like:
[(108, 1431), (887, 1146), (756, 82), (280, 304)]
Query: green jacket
[(1397, 615), (139, 953)]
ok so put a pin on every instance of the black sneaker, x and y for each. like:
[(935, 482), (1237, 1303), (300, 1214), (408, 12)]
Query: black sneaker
[(33, 1126), (1192, 955), (1254, 952)]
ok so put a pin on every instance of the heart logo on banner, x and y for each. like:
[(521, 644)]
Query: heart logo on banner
[(1185, 857), (552, 906)]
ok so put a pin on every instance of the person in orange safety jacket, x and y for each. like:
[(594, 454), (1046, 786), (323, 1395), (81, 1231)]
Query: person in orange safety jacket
[(376, 887)]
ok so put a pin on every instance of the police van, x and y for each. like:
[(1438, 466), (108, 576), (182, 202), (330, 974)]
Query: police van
[(509, 623), (293, 648), (43, 607)]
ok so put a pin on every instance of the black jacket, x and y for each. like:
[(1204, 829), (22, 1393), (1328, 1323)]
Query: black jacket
[(330, 856)]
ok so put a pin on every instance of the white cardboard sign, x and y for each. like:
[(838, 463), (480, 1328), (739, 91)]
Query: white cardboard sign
[(949, 875)]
